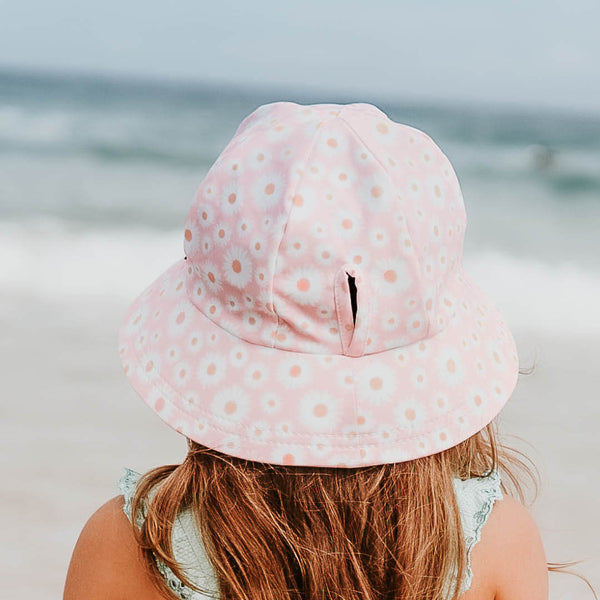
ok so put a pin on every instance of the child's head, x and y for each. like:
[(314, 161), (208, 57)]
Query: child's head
[(321, 315), (330, 362)]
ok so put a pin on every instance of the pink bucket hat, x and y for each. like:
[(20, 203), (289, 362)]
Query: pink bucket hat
[(321, 315)]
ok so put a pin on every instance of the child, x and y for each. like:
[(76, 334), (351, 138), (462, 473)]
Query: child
[(337, 375)]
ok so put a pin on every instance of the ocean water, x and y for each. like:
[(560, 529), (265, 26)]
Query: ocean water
[(96, 178), (98, 175)]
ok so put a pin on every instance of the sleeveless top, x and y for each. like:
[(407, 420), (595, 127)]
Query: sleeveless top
[(475, 498)]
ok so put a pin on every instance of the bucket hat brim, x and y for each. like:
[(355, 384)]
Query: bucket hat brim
[(296, 408)]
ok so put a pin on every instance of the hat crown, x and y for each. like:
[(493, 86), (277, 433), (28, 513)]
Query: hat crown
[(305, 197)]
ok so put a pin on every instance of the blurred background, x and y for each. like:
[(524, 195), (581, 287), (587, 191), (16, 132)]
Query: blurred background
[(111, 115)]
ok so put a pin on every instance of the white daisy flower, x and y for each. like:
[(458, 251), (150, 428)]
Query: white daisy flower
[(391, 276), (208, 190), (222, 234), (294, 372), (402, 357), (194, 341), (173, 353), (332, 142), (137, 319), (238, 355), (442, 259), (318, 411), (304, 285), (344, 378), (385, 432), (235, 166), (261, 276), (252, 321), (259, 159), (284, 429), (278, 132), (211, 369), (376, 383), (480, 367), (360, 257), (237, 266), (495, 355), (205, 214), (319, 230), (414, 190), (477, 399), (177, 286), (436, 190), (180, 318), (245, 227), (230, 404), (390, 321), (419, 378), (343, 177), (440, 403), (496, 390), (191, 239), (415, 325), (324, 254), (155, 337), (259, 430), (230, 443), (376, 193), (213, 309), (304, 203), (182, 372), (258, 246), (378, 237), (141, 340), (267, 190), (346, 224), (270, 403), (315, 171), (256, 375), (409, 415), (421, 350), (233, 303), (450, 366), (211, 278), (149, 366), (462, 420), (441, 439), (287, 153), (385, 132), (326, 312), (295, 247), (363, 156)]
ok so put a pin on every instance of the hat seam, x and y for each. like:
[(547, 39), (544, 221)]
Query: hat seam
[(387, 174), (309, 153)]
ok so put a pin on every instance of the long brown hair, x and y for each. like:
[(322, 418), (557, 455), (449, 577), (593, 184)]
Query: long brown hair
[(282, 532)]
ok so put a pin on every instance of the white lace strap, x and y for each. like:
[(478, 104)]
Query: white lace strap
[(189, 557), (475, 498)]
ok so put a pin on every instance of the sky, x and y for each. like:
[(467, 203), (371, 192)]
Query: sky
[(536, 53)]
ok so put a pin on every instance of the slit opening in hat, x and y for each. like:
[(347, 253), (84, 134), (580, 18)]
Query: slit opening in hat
[(352, 288)]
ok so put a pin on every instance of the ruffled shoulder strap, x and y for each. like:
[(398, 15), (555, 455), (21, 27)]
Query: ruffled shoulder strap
[(188, 549), (475, 498), (127, 485)]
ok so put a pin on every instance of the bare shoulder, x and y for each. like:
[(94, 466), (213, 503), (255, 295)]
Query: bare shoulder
[(106, 561), (510, 560)]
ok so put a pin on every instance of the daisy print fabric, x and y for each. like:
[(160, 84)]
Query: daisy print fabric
[(320, 314)]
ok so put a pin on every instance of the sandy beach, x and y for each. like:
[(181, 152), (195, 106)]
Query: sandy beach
[(70, 423)]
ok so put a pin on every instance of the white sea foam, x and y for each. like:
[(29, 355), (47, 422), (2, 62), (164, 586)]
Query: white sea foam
[(50, 260)]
